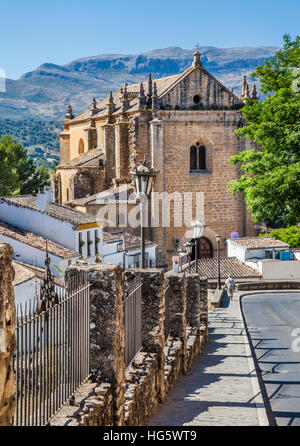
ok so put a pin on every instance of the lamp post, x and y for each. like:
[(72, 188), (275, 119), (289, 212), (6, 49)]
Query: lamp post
[(198, 229), (218, 239), (189, 248), (179, 252), (144, 178)]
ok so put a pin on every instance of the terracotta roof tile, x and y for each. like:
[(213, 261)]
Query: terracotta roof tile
[(31, 269), (22, 274), (260, 242), (36, 241), (90, 159), (229, 266), (58, 211), (116, 194), (131, 241)]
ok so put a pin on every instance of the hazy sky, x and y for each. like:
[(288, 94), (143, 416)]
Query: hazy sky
[(58, 31)]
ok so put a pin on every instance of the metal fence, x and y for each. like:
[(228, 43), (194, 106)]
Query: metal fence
[(167, 312), (52, 356), (132, 304)]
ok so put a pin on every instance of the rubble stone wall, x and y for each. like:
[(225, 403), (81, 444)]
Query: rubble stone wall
[(119, 397), (7, 336)]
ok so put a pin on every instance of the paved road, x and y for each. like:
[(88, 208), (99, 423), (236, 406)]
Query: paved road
[(271, 319), (217, 391)]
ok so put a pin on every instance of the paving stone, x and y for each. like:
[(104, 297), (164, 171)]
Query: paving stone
[(217, 390)]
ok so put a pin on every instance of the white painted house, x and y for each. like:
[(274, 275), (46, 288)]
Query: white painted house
[(27, 221), (31, 249), (272, 258), (27, 282), (75, 230), (124, 248)]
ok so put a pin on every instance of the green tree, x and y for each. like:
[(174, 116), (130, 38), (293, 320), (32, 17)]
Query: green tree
[(18, 173), (290, 235), (270, 176)]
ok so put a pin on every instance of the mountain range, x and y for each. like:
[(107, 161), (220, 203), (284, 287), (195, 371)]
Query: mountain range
[(44, 93)]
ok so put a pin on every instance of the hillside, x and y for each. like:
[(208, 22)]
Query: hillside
[(44, 93), (40, 138)]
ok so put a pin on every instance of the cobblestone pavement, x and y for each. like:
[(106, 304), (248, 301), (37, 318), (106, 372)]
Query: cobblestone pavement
[(217, 390)]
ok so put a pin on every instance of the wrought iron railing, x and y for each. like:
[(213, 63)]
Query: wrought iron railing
[(132, 304), (52, 357)]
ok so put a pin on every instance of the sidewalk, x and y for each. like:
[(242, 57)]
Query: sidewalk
[(217, 390)]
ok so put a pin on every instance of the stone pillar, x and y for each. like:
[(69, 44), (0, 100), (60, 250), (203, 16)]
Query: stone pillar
[(64, 141), (153, 309), (91, 137), (157, 145), (193, 305), (7, 336), (177, 306), (109, 150), (122, 148), (204, 308), (107, 341)]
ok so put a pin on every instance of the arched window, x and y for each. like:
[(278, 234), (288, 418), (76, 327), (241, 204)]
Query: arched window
[(197, 157), (193, 158), (202, 158), (80, 146)]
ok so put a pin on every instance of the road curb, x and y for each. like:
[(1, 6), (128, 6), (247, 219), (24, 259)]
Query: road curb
[(262, 414)]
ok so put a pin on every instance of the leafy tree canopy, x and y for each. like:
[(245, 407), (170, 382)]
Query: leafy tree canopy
[(18, 173), (290, 235), (270, 176)]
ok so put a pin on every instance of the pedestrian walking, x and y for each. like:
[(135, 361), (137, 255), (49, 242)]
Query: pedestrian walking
[(230, 285)]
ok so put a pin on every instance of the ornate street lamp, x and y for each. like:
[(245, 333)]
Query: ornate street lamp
[(218, 239), (189, 249), (144, 178), (198, 229)]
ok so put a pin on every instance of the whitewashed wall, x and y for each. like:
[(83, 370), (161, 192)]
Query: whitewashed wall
[(280, 270), (33, 256), (26, 290), (58, 231)]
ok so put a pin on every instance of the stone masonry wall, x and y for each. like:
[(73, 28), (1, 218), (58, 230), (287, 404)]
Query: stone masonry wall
[(116, 397), (7, 336)]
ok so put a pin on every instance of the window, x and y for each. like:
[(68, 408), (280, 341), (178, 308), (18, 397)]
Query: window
[(96, 241), (89, 242), (193, 158), (197, 157), (80, 146), (81, 243), (68, 194), (197, 99)]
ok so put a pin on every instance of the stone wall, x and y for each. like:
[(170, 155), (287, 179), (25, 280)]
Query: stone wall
[(129, 397), (7, 336), (252, 286)]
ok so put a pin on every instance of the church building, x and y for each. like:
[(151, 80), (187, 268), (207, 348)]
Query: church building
[(184, 125)]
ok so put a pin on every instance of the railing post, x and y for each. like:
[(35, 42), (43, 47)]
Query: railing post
[(7, 336), (153, 308), (193, 305), (106, 329), (204, 308), (177, 306)]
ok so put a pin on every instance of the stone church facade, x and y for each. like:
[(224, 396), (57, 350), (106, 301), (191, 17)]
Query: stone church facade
[(184, 125)]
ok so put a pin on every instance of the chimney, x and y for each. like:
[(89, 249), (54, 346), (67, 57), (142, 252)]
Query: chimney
[(41, 200), (49, 195)]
